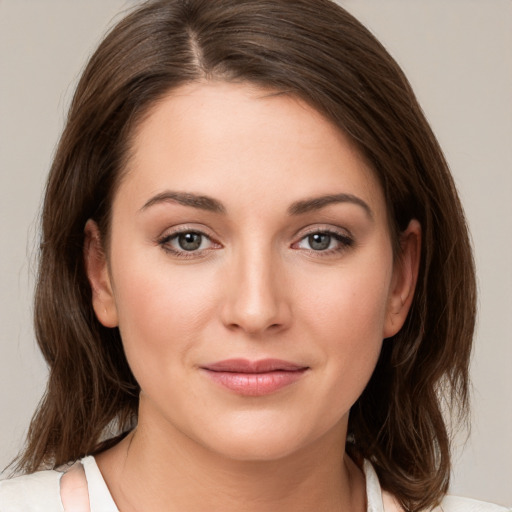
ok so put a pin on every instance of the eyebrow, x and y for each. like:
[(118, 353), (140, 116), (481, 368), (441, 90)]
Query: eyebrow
[(317, 203), (186, 199), (296, 208)]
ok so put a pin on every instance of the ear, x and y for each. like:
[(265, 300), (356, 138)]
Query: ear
[(103, 300), (403, 283)]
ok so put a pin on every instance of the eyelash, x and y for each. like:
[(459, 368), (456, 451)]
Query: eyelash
[(345, 242), (183, 254)]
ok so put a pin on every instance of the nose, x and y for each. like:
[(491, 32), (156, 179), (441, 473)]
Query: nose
[(256, 294)]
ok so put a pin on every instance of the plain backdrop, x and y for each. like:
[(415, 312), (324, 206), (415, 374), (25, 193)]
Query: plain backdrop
[(458, 57)]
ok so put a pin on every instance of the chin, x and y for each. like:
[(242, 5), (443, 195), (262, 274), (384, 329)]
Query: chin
[(262, 439), (257, 448)]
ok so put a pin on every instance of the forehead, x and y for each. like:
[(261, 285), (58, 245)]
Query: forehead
[(237, 141)]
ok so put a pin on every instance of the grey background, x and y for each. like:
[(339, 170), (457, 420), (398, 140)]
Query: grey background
[(458, 56)]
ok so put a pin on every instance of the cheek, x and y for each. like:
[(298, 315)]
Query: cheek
[(346, 315), (348, 303), (162, 310)]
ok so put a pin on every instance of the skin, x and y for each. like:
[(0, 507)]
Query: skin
[(256, 288)]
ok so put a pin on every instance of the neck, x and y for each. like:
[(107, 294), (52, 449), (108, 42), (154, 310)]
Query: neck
[(153, 470)]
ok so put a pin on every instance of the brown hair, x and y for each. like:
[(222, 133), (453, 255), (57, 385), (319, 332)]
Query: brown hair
[(315, 50)]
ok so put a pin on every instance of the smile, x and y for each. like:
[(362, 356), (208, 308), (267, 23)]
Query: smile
[(254, 378)]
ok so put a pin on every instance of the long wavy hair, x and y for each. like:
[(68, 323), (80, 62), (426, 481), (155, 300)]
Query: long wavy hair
[(314, 50)]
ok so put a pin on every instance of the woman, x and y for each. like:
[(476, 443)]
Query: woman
[(249, 231)]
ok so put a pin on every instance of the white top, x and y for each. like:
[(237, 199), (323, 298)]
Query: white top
[(40, 492)]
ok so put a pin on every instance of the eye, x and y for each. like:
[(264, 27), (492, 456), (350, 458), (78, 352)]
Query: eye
[(325, 242), (319, 241), (186, 243), (189, 241)]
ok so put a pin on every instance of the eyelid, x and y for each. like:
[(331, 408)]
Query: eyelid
[(185, 228), (173, 232), (323, 228), (345, 239)]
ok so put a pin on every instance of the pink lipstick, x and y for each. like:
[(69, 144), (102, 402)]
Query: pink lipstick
[(254, 378)]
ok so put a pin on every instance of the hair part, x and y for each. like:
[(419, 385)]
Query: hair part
[(316, 51)]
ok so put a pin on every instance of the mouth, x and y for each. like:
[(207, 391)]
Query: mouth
[(254, 378)]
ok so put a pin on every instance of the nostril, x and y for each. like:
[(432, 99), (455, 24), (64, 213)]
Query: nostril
[(254, 304)]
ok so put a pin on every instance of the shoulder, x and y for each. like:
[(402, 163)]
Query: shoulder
[(457, 504), (449, 504), (36, 492)]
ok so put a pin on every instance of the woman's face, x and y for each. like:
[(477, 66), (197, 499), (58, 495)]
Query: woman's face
[(250, 271)]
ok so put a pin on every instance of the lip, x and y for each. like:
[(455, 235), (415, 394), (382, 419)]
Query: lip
[(254, 378)]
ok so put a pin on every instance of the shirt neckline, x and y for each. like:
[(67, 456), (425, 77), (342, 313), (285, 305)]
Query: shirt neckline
[(101, 499)]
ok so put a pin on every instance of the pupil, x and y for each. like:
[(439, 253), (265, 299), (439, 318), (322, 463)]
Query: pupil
[(319, 241), (189, 241)]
